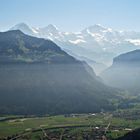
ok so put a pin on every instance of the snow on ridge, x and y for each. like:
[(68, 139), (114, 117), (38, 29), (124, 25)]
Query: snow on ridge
[(96, 33), (134, 41), (80, 37), (108, 30), (35, 30), (66, 33), (98, 37), (77, 41)]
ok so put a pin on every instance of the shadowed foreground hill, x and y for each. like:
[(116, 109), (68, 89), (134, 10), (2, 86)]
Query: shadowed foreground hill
[(135, 135), (37, 77)]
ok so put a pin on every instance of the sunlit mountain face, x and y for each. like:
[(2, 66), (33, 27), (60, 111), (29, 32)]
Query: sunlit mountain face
[(97, 45)]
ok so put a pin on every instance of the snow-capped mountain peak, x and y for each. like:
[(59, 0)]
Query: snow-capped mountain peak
[(50, 28), (96, 42), (20, 25), (24, 28), (97, 28)]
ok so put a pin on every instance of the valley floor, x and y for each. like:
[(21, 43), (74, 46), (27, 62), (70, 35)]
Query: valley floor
[(67, 127)]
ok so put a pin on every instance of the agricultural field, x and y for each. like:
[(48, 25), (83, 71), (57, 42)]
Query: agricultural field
[(74, 126)]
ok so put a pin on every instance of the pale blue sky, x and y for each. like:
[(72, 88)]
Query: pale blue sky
[(71, 15)]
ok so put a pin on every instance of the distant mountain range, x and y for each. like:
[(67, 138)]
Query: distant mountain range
[(95, 42), (38, 77), (124, 72)]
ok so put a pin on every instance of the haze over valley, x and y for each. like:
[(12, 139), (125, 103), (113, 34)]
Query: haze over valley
[(63, 76)]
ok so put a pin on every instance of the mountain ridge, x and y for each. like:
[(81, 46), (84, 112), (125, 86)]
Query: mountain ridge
[(37, 77), (124, 72), (95, 42)]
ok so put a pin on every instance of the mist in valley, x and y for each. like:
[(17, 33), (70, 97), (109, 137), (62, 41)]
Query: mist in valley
[(69, 70)]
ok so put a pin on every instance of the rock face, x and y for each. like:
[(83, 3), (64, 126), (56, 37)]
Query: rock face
[(124, 72), (37, 77)]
